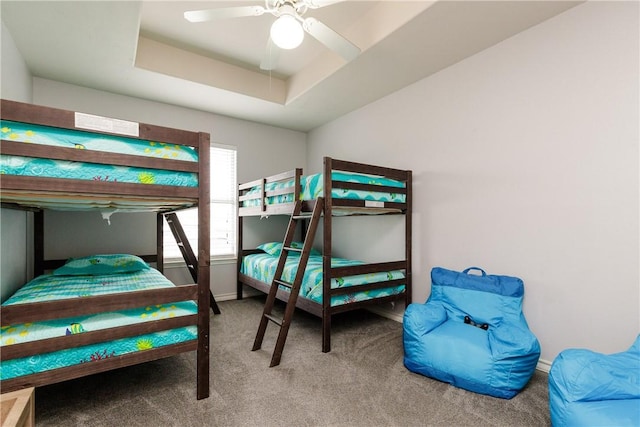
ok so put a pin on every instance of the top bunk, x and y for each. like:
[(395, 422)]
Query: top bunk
[(348, 188), (65, 160)]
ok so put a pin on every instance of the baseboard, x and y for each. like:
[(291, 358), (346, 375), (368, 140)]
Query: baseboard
[(386, 313), (226, 297), (233, 295), (543, 365)]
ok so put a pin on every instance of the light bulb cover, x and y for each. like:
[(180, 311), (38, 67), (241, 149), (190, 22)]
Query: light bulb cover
[(286, 32)]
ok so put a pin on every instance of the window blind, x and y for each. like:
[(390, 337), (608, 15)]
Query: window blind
[(223, 209)]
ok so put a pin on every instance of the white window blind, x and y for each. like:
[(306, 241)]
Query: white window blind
[(223, 209)]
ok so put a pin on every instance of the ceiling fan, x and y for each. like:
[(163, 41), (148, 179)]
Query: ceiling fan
[(288, 29)]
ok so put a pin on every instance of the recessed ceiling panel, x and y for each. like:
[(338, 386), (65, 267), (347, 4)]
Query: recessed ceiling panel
[(241, 41)]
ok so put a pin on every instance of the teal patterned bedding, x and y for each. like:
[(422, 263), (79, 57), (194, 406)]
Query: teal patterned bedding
[(44, 135), (263, 266), (50, 287), (312, 187)]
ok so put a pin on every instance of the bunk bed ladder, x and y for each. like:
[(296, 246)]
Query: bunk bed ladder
[(294, 288), (187, 253)]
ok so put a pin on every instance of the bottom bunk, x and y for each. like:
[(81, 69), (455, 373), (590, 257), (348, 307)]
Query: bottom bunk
[(91, 315), (354, 284)]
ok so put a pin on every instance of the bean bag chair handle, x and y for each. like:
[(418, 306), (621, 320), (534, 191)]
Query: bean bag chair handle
[(466, 271)]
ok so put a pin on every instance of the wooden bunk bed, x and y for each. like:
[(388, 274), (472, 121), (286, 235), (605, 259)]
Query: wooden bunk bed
[(62, 190), (276, 195)]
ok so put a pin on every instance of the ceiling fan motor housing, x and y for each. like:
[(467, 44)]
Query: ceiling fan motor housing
[(296, 8)]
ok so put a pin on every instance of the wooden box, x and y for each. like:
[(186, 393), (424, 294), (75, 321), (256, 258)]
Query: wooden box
[(18, 408)]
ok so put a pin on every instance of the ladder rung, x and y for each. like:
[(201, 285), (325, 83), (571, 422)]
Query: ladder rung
[(274, 319), (302, 216), (283, 283), (292, 249)]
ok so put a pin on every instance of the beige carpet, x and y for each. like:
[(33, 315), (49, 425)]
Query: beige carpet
[(361, 382)]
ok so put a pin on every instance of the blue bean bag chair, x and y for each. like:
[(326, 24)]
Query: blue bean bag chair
[(471, 333), (594, 389)]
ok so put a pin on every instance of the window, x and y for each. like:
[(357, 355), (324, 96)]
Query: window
[(223, 209)]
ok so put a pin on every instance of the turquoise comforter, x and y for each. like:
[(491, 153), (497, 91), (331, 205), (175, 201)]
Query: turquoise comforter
[(312, 187), (49, 287), (263, 267), (44, 135)]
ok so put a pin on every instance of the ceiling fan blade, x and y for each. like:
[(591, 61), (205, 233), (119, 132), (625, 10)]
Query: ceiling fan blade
[(315, 4), (271, 56), (331, 39), (223, 13)]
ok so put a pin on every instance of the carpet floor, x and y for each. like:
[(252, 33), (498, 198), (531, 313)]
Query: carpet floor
[(361, 382)]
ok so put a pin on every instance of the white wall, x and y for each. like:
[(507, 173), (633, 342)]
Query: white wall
[(15, 78), (76, 234), (13, 251), (261, 151), (15, 84), (525, 160)]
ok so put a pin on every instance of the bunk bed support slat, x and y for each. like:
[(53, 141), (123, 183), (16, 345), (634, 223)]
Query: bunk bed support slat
[(326, 256), (46, 116), (239, 258), (160, 242), (38, 243), (408, 221), (38, 311), (84, 369), (204, 262), (89, 156), (60, 343), (116, 189)]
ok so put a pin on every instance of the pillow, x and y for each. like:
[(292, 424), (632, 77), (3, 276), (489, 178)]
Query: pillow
[(101, 264), (274, 248)]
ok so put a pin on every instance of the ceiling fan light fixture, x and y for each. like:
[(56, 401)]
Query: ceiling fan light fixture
[(286, 32)]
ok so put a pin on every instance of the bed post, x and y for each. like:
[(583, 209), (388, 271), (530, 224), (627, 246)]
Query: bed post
[(408, 233), (204, 261), (38, 243), (160, 242), (239, 259), (326, 258)]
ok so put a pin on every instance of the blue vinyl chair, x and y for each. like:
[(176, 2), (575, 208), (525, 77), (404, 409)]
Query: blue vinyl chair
[(471, 333), (594, 389)]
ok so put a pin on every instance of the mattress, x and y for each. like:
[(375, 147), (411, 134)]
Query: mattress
[(312, 187), (263, 266), (67, 138), (51, 287), (83, 202)]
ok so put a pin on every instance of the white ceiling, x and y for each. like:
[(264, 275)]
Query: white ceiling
[(148, 50)]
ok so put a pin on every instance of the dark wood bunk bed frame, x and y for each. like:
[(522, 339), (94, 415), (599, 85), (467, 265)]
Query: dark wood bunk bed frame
[(167, 198), (331, 205)]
